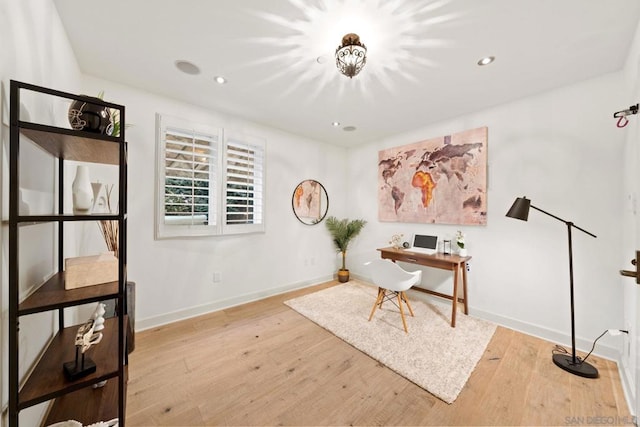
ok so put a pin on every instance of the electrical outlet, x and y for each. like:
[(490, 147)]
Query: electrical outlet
[(217, 277)]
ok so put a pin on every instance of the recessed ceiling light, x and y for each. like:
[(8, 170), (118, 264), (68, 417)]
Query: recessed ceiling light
[(349, 128), (335, 124), (321, 59), (220, 80), (187, 67), (486, 60)]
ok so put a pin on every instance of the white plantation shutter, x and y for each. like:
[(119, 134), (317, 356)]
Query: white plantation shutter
[(190, 161), (205, 187), (244, 184)]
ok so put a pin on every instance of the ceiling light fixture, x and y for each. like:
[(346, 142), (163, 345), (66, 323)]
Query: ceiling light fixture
[(486, 60), (220, 80), (335, 124), (351, 55)]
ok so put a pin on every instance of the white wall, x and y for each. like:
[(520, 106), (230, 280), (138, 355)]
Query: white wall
[(174, 277), (34, 49), (631, 223), (563, 151)]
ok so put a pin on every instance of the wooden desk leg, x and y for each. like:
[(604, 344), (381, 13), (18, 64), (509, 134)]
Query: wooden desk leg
[(455, 297), (464, 287)]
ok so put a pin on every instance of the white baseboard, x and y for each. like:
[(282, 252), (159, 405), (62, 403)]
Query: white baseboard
[(628, 386), (554, 336), (163, 319)]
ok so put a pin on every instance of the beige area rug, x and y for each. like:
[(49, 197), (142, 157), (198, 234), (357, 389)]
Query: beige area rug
[(433, 355)]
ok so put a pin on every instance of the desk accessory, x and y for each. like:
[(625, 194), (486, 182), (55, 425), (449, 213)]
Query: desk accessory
[(570, 363)]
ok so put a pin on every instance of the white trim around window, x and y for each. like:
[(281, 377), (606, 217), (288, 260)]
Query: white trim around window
[(210, 181)]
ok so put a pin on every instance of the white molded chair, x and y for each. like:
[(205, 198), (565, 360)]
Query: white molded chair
[(392, 282)]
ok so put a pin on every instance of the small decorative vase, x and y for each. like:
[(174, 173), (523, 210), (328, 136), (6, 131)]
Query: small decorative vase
[(90, 117), (82, 191), (462, 251)]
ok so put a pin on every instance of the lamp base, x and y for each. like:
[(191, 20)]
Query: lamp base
[(584, 369)]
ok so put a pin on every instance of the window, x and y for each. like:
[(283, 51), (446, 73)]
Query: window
[(244, 183), (210, 180)]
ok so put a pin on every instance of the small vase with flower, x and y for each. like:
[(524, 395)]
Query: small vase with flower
[(462, 251)]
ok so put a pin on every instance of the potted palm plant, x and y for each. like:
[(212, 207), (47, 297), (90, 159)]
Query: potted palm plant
[(343, 231)]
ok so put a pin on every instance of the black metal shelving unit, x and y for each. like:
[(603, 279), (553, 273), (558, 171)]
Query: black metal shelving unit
[(46, 380)]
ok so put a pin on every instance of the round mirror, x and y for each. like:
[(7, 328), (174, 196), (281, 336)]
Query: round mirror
[(310, 202)]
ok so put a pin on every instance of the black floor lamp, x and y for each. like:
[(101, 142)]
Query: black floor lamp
[(570, 363)]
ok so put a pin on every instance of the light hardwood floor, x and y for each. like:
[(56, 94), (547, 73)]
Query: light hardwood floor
[(264, 364)]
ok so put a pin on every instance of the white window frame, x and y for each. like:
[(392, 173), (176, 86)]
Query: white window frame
[(218, 180)]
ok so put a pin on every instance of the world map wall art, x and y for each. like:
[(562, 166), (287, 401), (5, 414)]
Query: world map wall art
[(441, 180)]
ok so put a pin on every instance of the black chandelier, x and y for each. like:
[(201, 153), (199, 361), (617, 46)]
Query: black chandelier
[(351, 55)]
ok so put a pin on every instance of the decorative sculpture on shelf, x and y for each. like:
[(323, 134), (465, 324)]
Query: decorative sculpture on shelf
[(98, 316), (90, 117), (86, 337)]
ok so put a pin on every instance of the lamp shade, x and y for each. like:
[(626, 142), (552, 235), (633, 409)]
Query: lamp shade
[(520, 209)]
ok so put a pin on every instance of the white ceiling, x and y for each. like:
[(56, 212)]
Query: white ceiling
[(421, 66)]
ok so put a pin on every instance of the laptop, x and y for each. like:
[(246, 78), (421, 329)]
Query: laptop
[(424, 244)]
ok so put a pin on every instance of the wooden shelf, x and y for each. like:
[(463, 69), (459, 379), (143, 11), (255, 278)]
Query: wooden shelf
[(48, 381), (52, 295), (87, 405), (70, 144)]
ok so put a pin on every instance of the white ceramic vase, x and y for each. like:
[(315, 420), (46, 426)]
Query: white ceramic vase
[(462, 251), (82, 191)]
